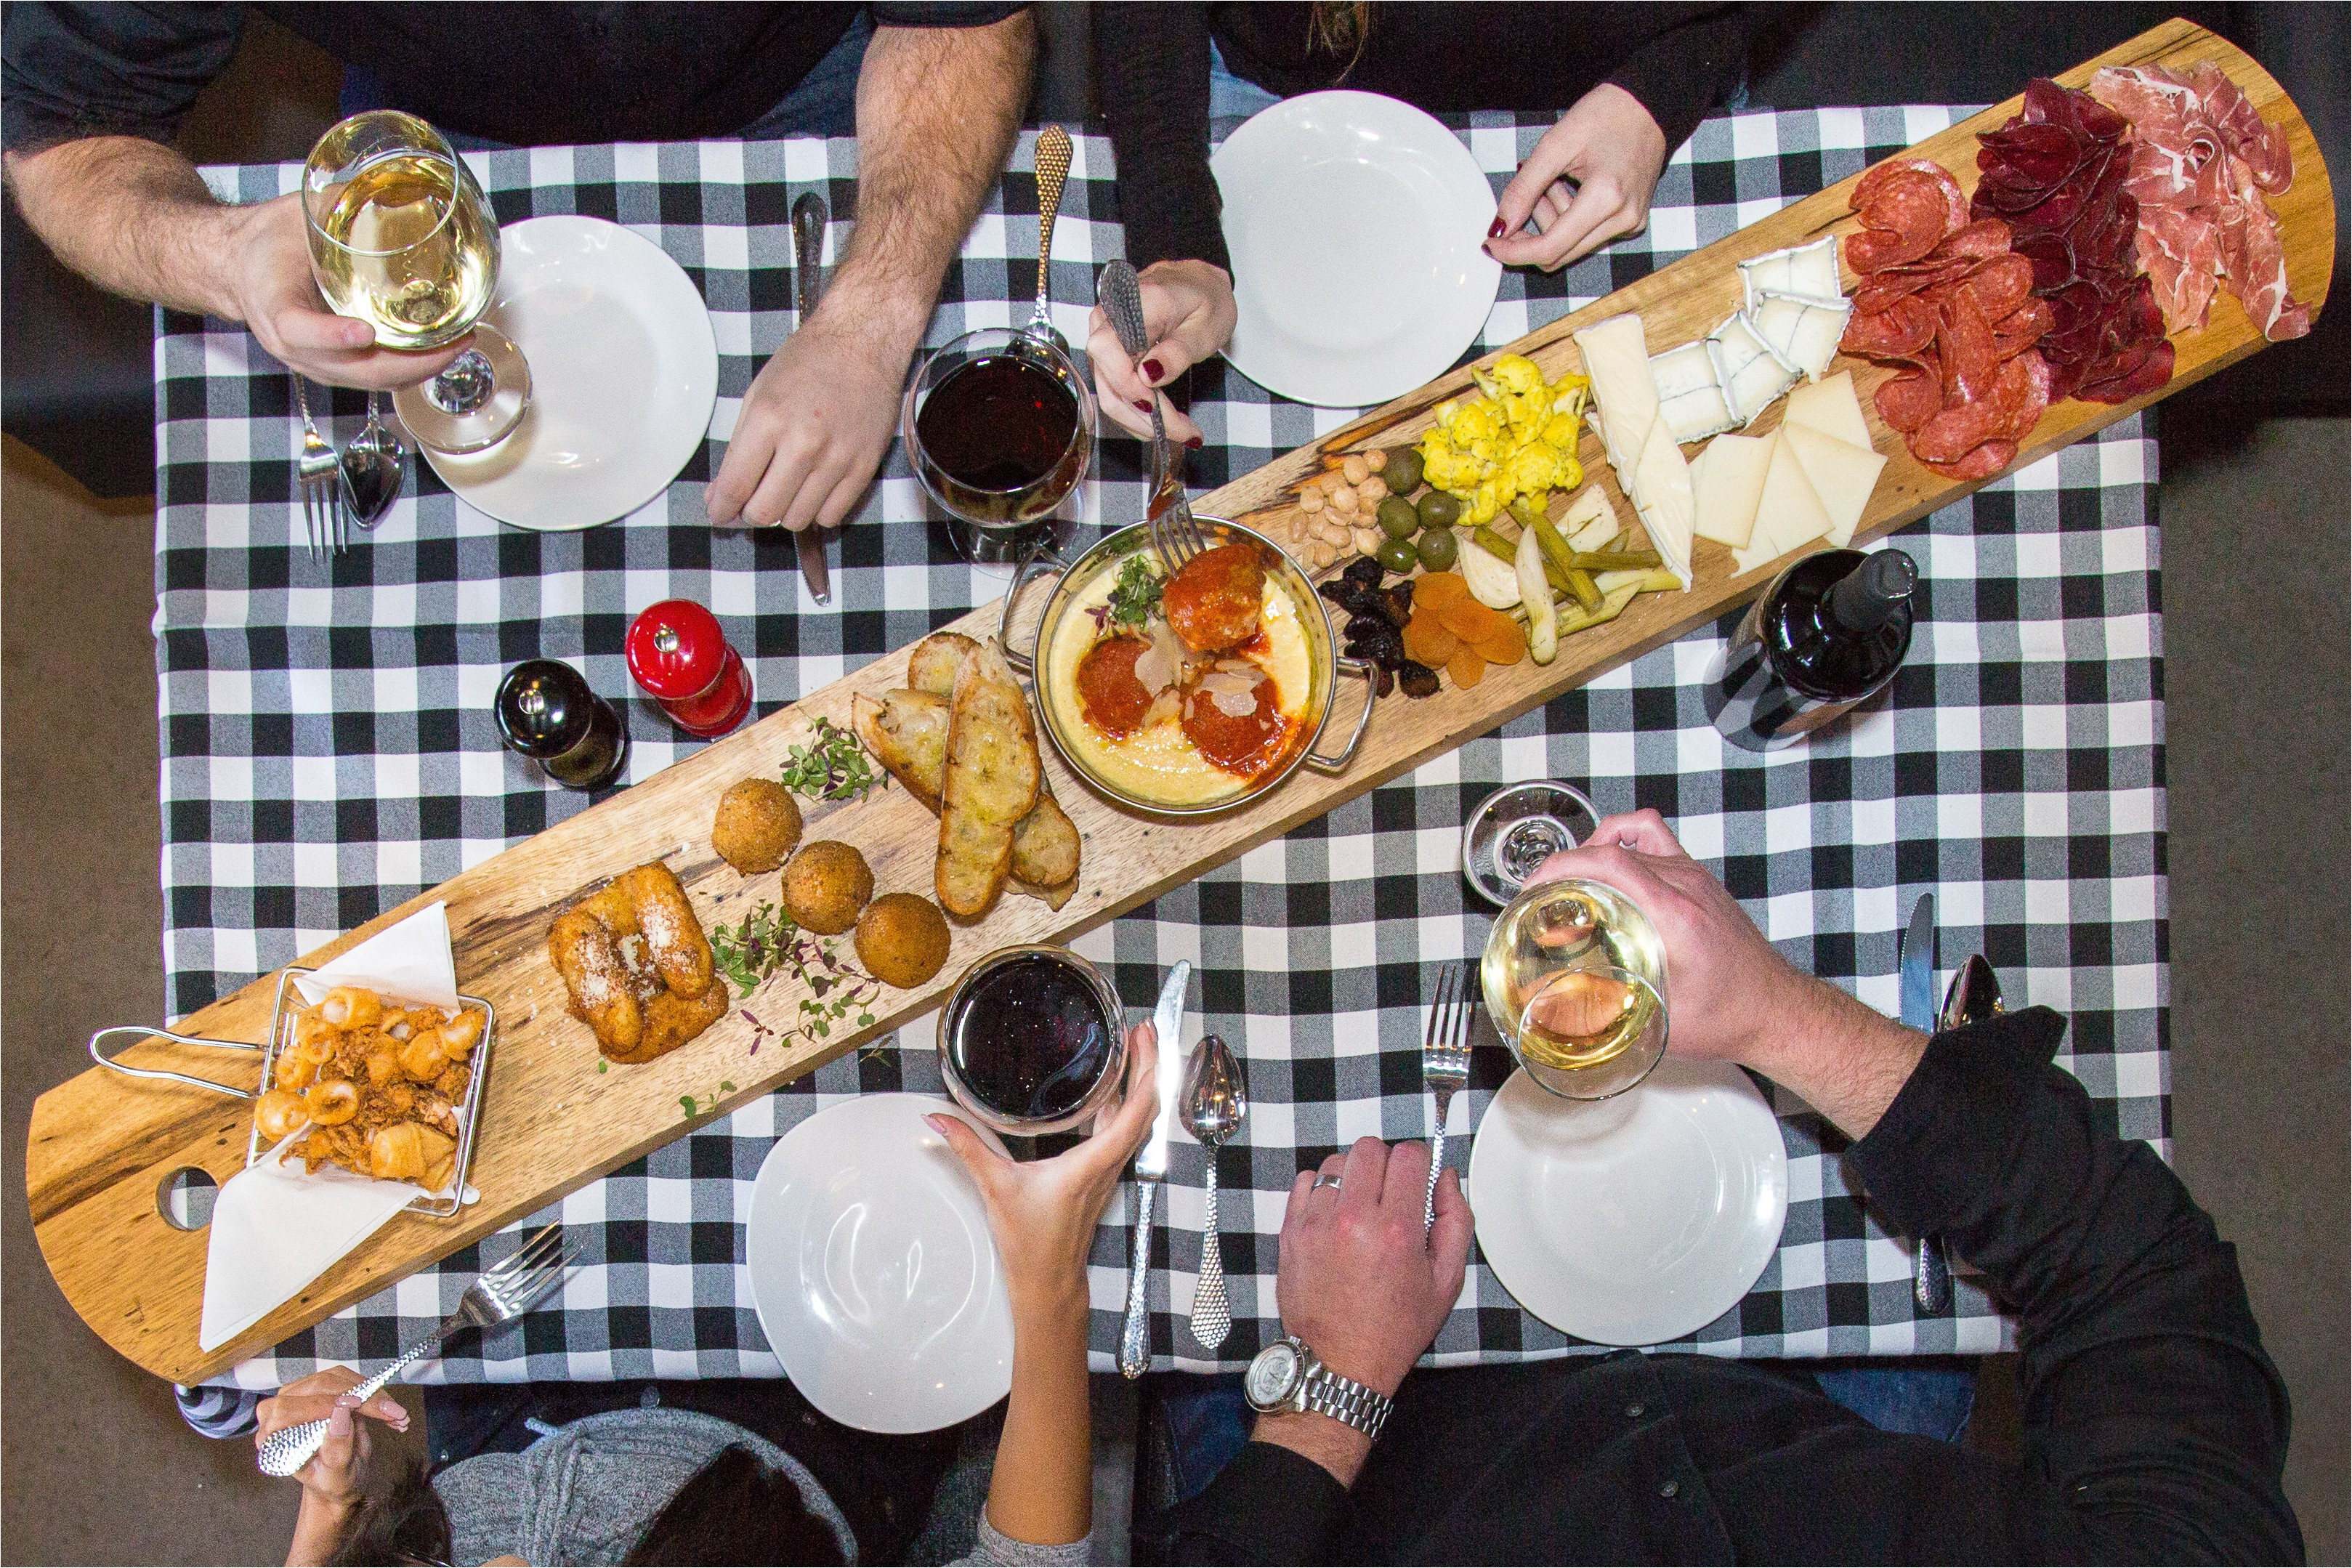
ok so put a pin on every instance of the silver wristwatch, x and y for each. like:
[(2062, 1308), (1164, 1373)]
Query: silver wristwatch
[(1286, 1376)]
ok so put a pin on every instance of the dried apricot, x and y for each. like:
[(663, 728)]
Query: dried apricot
[(1426, 640), (1439, 588), (1468, 666), (1507, 644)]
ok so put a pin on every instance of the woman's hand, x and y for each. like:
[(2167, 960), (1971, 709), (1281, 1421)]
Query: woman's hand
[(1043, 1213), (337, 1475), (1188, 313), (1589, 181)]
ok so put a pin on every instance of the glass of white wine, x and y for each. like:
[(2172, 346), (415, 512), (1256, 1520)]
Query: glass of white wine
[(1575, 978), (402, 238)]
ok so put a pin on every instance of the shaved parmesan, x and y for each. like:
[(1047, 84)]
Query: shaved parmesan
[(1664, 497), (1830, 406), (1842, 476), (1727, 483), (1788, 513)]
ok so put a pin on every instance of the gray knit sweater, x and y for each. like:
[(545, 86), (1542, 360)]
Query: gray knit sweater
[(586, 1492)]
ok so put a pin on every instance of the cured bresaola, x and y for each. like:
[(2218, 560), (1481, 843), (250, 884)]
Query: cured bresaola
[(2058, 174), (1943, 296), (2200, 160)]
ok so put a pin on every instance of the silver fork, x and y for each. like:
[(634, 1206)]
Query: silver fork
[(498, 1297), (1174, 533), (319, 476), (1446, 1065)]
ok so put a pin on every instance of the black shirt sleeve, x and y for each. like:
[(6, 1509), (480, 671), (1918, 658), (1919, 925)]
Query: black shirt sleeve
[(1152, 68), (68, 71), (2155, 1427), (946, 14), (1683, 72), (1270, 1505)]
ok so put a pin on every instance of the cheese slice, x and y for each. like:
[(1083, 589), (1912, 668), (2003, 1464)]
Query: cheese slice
[(1842, 476), (1806, 269), (1727, 483), (1744, 367), (1689, 401), (1819, 332), (1788, 513), (1617, 358), (1775, 319), (1830, 406), (1591, 521), (1663, 486)]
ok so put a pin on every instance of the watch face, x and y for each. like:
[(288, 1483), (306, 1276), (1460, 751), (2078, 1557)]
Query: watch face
[(1272, 1375)]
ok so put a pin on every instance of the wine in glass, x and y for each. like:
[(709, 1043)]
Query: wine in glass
[(402, 238), (999, 428), (1575, 979)]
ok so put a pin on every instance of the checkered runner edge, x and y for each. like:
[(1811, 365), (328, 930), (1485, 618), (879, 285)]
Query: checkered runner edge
[(328, 752)]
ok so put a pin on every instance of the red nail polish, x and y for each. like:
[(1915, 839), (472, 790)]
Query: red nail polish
[(1494, 230), (1151, 371), (1141, 406), (1195, 443)]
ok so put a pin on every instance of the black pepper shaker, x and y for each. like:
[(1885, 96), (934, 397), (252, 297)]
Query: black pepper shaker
[(546, 711)]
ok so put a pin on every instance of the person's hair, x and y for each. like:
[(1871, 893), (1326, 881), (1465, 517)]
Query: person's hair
[(1340, 27), (735, 1509)]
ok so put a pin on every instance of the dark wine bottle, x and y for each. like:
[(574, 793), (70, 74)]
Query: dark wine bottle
[(1827, 634)]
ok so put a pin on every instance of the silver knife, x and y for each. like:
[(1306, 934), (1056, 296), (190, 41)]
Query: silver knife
[(1931, 1276), (809, 216), (1151, 1165)]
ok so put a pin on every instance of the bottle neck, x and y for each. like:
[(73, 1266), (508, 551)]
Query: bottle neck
[(1871, 593)]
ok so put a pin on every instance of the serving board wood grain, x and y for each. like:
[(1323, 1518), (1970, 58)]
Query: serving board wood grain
[(100, 1145)]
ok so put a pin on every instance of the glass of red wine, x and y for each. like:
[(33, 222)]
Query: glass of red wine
[(1032, 1041), (1000, 428)]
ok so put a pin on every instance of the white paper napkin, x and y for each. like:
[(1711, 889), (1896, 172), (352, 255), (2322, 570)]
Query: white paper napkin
[(275, 1229)]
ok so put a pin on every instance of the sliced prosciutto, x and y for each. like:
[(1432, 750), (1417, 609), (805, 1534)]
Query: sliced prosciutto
[(2201, 158)]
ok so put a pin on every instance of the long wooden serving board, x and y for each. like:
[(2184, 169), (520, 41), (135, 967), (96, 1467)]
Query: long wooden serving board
[(101, 1145)]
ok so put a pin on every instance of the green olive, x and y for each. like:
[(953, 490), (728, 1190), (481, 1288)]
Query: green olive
[(1397, 518), (1396, 554), (1439, 509), (1437, 548), (1403, 472)]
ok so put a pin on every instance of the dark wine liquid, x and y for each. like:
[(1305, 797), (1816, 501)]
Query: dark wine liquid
[(1029, 1038), (997, 432)]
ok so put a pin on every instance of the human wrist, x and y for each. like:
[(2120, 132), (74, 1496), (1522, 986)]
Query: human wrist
[(883, 313), (1842, 1056), (1327, 1440)]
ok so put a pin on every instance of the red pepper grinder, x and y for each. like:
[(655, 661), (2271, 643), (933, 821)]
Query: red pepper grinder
[(679, 656)]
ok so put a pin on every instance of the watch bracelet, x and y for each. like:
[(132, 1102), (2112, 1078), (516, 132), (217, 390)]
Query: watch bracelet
[(1345, 1399)]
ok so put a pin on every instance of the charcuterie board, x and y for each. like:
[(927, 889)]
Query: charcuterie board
[(99, 1147)]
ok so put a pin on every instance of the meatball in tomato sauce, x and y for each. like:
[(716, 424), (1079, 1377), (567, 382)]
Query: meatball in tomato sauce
[(1212, 604), (1113, 696), (1235, 722)]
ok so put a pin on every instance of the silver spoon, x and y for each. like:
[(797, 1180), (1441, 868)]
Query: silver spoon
[(1973, 996), (1216, 1098), (372, 469), (1052, 167)]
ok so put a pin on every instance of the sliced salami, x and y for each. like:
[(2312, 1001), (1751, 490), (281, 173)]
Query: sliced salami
[(1910, 400)]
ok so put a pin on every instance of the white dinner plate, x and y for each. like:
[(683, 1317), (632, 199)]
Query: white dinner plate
[(624, 376), (872, 1270), (1633, 1220), (1355, 223)]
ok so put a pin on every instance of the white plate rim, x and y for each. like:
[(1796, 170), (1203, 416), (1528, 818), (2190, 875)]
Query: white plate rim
[(793, 1345), (702, 347), (1294, 373), (1732, 1102)]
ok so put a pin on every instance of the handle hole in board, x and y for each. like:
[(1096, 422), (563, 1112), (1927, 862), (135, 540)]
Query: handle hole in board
[(185, 1198)]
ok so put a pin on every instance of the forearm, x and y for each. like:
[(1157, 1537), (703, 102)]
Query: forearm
[(1043, 1488), (318, 1530), (1846, 1059), (937, 109), (1681, 73), (134, 218), (1152, 62)]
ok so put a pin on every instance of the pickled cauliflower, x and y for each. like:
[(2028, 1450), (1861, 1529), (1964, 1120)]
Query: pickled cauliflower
[(1515, 438)]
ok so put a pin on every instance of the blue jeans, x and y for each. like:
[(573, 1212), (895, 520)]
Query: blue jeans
[(821, 103), (1231, 97)]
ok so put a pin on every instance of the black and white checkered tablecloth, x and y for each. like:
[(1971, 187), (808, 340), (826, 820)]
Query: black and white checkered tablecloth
[(328, 751)]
